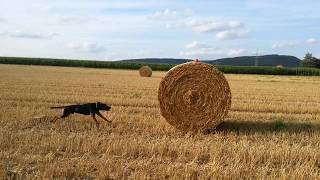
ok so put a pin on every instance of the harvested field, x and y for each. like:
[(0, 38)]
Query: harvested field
[(272, 130)]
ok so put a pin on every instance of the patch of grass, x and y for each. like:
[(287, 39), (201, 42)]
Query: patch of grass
[(278, 125), (306, 126)]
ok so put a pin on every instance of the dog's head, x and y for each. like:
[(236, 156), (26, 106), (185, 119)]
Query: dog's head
[(102, 106)]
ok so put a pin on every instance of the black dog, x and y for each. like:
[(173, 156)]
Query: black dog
[(85, 109)]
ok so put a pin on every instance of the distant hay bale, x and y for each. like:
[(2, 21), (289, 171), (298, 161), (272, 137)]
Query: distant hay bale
[(145, 71), (194, 96)]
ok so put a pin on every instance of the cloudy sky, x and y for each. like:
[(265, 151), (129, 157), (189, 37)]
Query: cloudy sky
[(122, 29)]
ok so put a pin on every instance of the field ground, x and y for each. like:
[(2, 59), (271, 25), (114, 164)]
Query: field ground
[(272, 130)]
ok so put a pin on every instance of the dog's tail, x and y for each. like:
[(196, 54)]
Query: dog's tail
[(57, 107)]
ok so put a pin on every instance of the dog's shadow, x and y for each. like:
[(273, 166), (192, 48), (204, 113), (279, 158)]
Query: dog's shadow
[(263, 127)]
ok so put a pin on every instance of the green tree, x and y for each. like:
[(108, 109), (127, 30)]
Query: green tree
[(310, 61)]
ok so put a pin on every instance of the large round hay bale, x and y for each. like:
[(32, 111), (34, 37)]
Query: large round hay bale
[(145, 71), (194, 96)]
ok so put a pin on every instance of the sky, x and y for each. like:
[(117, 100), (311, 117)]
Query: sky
[(127, 29)]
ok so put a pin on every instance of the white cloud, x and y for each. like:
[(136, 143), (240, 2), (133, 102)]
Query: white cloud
[(195, 45), (205, 51), (87, 47), (214, 26), (236, 52), (312, 41), (166, 14), (231, 34), (210, 27), (192, 22), (235, 24), (3, 33), (223, 30), (126, 5), (188, 12), (206, 26), (63, 19), (202, 52), (283, 44), (213, 52), (3, 19), (169, 14), (28, 35)]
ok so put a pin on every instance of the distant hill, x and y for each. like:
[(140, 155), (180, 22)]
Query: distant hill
[(158, 60), (267, 60)]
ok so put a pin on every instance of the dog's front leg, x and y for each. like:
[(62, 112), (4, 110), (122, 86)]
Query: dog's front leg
[(94, 118), (99, 114)]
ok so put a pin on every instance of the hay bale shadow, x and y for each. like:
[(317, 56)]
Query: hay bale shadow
[(263, 127)]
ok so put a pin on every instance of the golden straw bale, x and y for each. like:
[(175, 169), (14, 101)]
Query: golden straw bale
[(194, 96), (145, 71)]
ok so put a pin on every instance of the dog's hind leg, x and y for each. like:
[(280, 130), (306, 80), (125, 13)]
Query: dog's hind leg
[(66, 113), (55, 119), (98, 113), (94, 118)]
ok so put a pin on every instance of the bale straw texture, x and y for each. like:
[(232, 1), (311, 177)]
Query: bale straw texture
[(145, 71), (194, 96)]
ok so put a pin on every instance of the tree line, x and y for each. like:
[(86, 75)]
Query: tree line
[(310, 61)]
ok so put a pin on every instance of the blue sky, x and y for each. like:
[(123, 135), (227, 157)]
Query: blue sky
[(123, 29)]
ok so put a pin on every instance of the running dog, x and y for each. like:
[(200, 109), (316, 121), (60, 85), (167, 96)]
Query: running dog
[(85, 109)]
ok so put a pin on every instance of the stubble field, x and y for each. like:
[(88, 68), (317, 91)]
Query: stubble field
[(272, 130)]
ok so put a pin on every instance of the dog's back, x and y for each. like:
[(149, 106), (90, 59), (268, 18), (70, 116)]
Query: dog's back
[(84, 109)]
